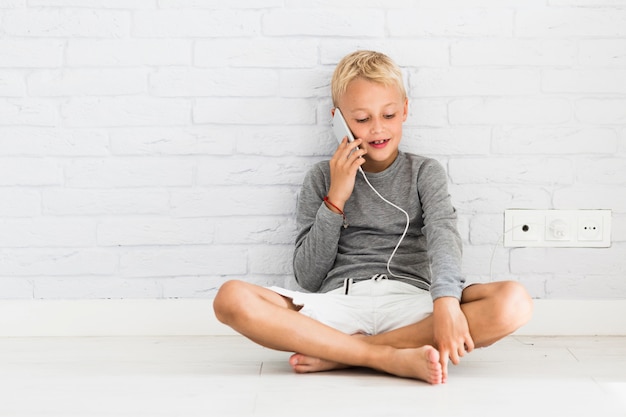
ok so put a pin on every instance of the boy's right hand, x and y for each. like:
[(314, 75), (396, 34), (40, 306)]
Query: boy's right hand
[(451, 332), (343, 168)]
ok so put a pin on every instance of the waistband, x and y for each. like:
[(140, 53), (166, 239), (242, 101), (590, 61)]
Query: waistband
[(349, 282), (377, 285)]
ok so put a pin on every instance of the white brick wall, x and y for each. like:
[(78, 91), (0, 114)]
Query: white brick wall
[(155, 148)]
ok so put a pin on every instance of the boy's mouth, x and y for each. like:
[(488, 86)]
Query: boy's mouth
[(379, 143)]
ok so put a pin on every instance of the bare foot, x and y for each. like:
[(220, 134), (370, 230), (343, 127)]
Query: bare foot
[(303, 364), (419, 363)]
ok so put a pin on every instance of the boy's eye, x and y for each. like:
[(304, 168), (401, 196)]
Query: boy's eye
[(385, 116)]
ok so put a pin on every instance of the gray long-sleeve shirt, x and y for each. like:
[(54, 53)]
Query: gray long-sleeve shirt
[(326, 253)]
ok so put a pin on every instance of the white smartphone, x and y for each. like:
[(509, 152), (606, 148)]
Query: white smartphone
[(340, 127)]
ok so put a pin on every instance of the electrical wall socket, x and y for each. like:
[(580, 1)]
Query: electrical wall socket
[(557, 228)]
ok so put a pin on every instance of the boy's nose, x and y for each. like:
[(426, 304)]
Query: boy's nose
[(376, 126)]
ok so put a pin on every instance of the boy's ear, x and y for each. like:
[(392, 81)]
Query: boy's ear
[(406, 109)]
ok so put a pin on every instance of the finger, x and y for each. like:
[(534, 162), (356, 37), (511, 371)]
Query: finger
[(353, 152), (345, 148), (443, 359), (345, 143), (354, 144), (340, 158), (469, 344), (340, 148), (461, 351), (360, 160), (357, 154), (454, 357)]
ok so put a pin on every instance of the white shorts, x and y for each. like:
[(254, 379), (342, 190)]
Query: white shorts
[(370, 307)]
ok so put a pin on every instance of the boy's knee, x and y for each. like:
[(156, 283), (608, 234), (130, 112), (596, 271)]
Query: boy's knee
[(518, 302), (226, 300)]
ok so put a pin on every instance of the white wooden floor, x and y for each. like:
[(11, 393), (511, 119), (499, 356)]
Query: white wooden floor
[(230, 376)]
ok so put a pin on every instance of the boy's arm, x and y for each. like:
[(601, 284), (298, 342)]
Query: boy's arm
[(451, 331), (318, 233), (319, 223), (444, 244)]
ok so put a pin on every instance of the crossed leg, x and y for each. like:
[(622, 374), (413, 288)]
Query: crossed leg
[(492, 310), (271, 320)]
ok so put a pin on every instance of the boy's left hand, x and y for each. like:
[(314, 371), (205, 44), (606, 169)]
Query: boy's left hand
[(451, 332)]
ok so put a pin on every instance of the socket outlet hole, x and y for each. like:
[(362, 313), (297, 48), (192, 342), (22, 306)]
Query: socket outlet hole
[(526, 228)]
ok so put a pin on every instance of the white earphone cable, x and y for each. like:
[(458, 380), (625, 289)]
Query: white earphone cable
[(406, 229)]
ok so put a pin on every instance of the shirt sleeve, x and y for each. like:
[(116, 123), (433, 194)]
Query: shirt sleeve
[(445, 248), (318, 232)]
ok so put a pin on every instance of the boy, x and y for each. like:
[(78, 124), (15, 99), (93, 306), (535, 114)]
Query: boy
[(407, 316)]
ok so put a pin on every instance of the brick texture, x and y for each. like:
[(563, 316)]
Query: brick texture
[(155, 148)]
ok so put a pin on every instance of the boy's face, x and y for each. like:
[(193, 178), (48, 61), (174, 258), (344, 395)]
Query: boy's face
[(375, 113)]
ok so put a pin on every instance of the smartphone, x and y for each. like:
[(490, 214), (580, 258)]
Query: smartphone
[(340, 127)]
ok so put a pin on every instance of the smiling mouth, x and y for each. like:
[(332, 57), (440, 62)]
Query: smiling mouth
[(378, 143)]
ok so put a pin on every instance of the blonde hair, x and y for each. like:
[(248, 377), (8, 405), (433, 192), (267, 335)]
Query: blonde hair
[(370, 65)]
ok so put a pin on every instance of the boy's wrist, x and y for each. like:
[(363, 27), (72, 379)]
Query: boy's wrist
[(337, 210), (445, 303), (335, 205)]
